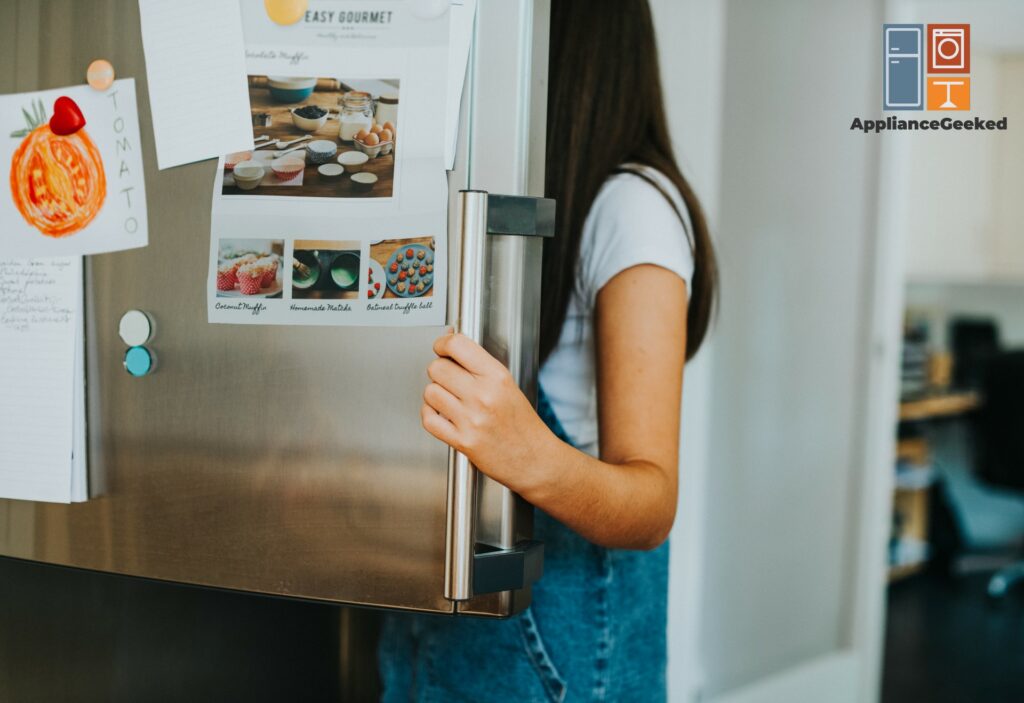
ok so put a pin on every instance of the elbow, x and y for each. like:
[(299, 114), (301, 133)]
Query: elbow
[(657, 538), (656, 532), (661, 527), (638, 537)]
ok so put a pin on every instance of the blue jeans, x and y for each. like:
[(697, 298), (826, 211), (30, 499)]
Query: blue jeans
[(595, 632)]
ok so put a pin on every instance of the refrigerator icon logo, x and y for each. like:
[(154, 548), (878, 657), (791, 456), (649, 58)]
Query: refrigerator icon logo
[(908, 50), (903, 80)]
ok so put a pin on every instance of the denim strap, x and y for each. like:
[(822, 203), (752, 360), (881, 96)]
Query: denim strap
[(547, 414)]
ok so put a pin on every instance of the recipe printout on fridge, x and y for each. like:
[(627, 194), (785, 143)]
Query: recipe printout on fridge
[(42, 408), (339, 214)]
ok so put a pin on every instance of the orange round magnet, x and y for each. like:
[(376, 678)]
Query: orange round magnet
[(286, 11), (100, 74)]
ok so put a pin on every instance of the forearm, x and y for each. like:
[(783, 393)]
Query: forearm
[(628, 505), (625, 501)]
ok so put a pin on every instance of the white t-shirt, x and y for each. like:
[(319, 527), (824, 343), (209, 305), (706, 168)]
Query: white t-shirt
[(630, 223)]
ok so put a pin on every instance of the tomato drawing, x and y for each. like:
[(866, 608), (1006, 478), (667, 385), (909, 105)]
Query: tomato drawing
[(57, 178)]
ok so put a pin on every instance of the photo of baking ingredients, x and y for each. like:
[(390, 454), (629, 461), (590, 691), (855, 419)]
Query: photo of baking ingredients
[(406, 266), (326, 270), (318, 137), (250, 268)]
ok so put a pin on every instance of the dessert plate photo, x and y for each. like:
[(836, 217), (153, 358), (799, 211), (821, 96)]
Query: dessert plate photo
[(410, 271)]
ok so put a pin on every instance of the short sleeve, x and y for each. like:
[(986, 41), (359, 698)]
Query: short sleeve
[(633, 223)]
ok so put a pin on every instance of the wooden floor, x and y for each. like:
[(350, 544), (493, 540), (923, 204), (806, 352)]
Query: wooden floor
[(947, 643)]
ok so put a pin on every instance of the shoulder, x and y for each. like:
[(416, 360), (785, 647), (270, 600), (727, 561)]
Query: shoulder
[(650, 198), (634, 220)]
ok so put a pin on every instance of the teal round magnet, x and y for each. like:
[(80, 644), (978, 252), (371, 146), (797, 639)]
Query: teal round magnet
[(138, 361)]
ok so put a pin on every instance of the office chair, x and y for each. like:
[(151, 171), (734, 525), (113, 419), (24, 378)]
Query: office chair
[(972, 341), (1000, 440)]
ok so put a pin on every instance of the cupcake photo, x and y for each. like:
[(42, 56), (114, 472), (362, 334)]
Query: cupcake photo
[(269, 263), (250, 278), (249, 268), (226, 278)]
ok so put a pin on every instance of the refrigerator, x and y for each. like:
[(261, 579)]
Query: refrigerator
[(904, 70), (290, 461)]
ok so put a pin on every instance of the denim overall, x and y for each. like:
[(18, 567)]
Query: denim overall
[(595, 631)]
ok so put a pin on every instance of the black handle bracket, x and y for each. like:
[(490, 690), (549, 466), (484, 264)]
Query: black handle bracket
[(512, 569), (520, 215)]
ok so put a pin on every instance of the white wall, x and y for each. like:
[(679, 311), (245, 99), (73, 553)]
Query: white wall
[(962, 209), (949, 191), (797, 212), (963, 212), (691, 45)]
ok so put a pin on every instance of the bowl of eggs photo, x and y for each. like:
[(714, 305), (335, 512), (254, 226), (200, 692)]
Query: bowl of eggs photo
[(378, 140)]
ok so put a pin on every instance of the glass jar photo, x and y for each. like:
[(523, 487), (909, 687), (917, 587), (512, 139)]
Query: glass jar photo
[(356, 113)]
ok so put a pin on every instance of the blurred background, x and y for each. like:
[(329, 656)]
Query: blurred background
[(851, 506)]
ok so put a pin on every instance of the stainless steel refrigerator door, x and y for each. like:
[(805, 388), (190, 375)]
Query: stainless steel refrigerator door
[(279, 460)]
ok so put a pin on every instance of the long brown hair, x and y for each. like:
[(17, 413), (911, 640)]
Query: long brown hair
[(605, 109)]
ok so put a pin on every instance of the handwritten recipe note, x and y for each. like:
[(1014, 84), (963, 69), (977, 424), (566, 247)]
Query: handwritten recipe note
[(42, 407)]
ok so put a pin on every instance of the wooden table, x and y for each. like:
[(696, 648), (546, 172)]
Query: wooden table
[(938, 405), (382, 251), (313, 184)]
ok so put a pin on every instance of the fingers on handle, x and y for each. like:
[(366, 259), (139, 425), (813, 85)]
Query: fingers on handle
[(467, 353), (437, 425), (450, 376), (442, 401)]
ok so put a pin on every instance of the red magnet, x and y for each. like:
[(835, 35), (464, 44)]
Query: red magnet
[(67, 117)]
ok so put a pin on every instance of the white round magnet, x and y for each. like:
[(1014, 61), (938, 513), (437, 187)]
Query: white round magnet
[(135, 328)]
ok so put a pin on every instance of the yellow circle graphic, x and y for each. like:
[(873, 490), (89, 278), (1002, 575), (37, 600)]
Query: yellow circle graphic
[(286, 11)]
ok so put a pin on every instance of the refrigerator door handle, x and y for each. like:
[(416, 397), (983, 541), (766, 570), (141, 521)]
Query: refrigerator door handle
[(482, 214), (460, 541)]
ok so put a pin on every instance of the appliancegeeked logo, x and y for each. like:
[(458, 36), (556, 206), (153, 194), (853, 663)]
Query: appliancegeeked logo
[(926, 67)]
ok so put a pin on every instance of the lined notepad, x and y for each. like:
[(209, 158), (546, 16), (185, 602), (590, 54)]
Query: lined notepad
[(42, 376), (198, 89)]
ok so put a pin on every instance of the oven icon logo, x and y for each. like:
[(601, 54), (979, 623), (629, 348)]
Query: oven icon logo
[(941, 50)]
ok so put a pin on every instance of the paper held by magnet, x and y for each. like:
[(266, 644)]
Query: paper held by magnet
[(76, 182), (195, 61), (42, 408)]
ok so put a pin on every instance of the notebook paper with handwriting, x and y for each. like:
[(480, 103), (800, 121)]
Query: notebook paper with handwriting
[(198, 91), (42, 407)]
